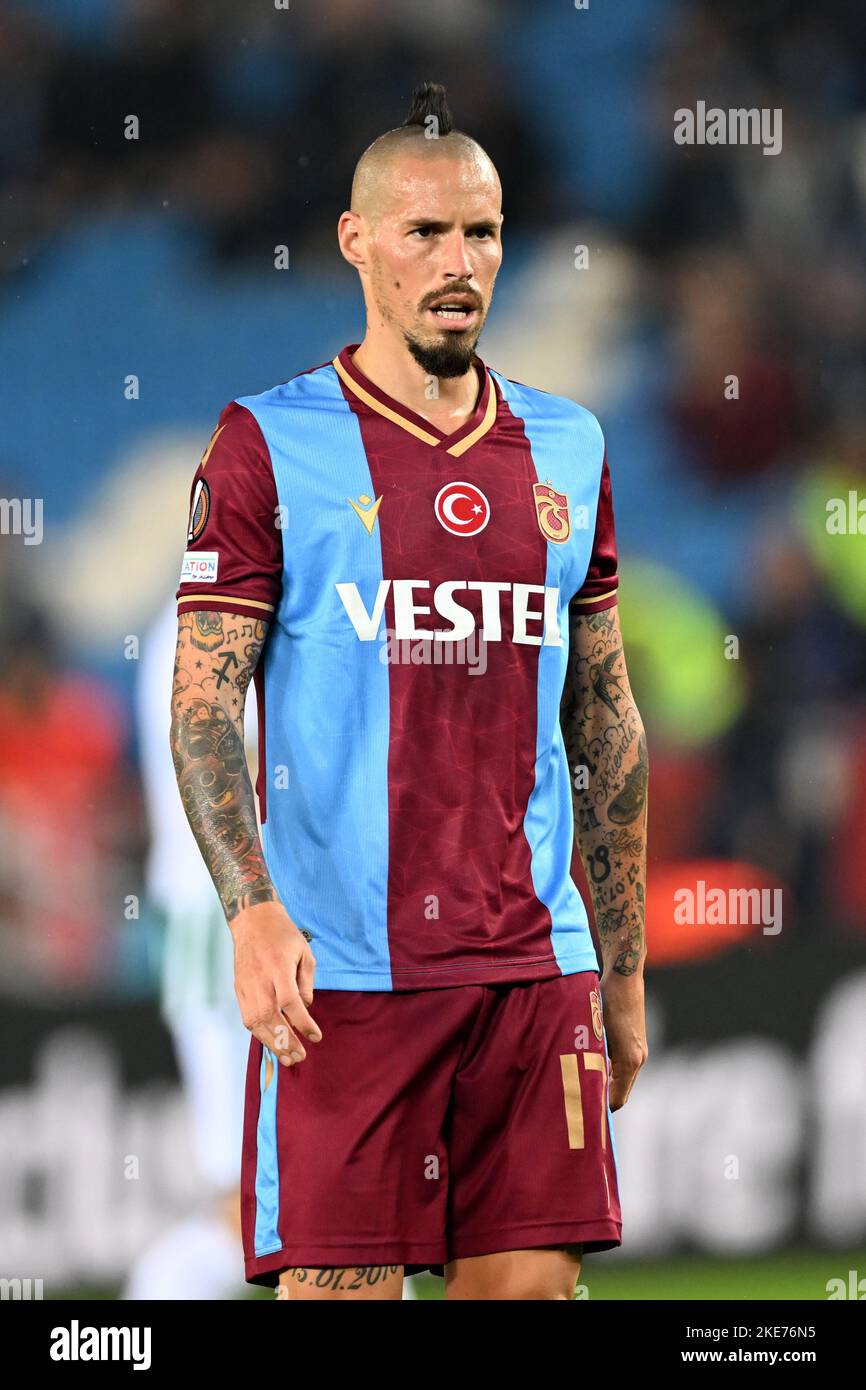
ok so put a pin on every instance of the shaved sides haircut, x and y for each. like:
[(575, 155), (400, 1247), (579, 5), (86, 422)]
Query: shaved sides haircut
[(427, 131)]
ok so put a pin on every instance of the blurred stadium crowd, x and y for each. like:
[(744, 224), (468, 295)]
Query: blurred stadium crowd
[(155, 257)]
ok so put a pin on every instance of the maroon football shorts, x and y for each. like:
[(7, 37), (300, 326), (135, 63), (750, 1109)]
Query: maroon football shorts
[(430, 1126)]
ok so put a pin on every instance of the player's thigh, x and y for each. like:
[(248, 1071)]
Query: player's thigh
[(549, 1273), (362, 1282)]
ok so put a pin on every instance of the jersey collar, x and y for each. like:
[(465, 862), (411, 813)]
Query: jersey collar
[(456, 443)]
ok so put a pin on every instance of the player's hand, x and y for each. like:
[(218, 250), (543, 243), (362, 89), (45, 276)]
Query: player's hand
[(625, 1030), (274, 970)]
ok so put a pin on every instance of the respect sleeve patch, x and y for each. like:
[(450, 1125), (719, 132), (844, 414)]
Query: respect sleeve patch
[(199, 566)]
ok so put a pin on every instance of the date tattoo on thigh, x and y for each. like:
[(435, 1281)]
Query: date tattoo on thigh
[(346, 1280)]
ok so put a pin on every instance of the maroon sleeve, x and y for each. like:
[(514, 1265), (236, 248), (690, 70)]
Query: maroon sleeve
[(598, 590), (234, 554)]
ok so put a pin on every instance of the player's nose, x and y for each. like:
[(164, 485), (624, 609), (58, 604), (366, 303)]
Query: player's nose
[(457, 263)]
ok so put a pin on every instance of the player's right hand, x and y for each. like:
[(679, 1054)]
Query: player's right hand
[(274, 969)]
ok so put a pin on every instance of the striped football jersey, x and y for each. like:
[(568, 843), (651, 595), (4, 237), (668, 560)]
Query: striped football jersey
[(413, 783)]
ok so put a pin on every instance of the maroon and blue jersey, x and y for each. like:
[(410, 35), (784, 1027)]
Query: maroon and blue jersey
[(413, 782)]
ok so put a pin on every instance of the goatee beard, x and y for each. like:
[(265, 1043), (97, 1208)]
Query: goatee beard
[(445, 359)]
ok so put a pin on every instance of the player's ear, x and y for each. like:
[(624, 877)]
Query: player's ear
[(350, 237)]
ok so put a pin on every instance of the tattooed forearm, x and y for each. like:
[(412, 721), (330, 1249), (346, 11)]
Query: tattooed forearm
[(216, 656), (631, 801), (607, 755)]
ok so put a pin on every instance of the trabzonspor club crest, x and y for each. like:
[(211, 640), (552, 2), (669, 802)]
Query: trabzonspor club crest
[(595, 1007), (551, 508)]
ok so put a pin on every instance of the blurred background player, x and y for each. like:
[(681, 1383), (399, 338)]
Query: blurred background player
[(201, 1256)]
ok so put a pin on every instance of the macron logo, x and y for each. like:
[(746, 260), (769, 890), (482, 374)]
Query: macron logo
[(77, 1343), (535, 611)]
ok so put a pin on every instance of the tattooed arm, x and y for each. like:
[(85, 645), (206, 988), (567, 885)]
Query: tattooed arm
[(215, 659), (607, 755)]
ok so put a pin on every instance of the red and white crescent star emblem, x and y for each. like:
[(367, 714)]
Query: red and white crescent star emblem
[(462, 509)]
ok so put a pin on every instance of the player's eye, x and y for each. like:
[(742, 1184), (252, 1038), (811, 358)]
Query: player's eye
[(423, 231)]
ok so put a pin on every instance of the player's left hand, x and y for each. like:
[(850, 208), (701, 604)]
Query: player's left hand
[(625, 1029)]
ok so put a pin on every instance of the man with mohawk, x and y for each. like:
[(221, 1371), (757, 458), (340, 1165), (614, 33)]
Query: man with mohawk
[(436, 1049)]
